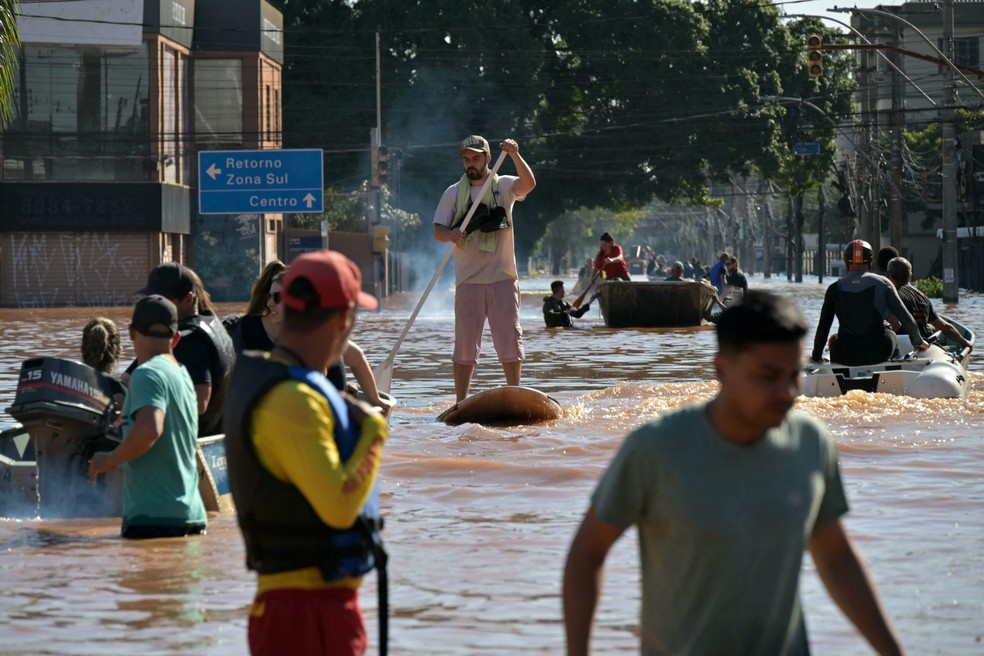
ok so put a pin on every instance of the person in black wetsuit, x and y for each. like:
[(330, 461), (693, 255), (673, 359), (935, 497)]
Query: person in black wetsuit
[(557, 312), (863, 303)]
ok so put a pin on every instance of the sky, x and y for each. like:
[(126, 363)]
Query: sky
[(820, 7)]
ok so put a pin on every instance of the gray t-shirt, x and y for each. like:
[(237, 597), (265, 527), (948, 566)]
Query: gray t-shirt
[(722, 529)]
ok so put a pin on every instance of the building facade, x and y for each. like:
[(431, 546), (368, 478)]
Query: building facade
[(114, 98), (906, 197)]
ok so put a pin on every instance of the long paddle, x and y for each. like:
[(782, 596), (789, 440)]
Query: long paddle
[(580, 299), (384, 372)]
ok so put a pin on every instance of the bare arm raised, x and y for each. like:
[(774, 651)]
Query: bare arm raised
[(527, 181)]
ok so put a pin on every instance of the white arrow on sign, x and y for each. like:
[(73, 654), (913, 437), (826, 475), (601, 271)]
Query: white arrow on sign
[(309, 199), (212, 171)]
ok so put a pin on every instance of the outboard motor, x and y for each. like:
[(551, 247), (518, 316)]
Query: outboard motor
[(67, 408)]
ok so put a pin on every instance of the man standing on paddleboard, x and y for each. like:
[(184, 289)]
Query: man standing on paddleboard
[(727, 494), (487, 282)]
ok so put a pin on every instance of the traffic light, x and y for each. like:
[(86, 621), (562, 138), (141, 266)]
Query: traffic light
[(814, 55), (380, 166)]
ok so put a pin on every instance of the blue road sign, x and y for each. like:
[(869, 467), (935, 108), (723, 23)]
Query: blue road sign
[(260, 181), (804, 149)]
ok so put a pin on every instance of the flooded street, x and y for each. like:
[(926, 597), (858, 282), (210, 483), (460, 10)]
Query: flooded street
[(479, 519)]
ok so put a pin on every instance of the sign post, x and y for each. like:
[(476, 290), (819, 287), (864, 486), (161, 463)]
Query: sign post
[(261, 181)]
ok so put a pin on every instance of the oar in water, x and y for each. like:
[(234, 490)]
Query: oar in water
[(580, 299), (384, 372)]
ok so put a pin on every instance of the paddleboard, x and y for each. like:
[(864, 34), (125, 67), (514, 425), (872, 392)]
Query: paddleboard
[(510, 405)]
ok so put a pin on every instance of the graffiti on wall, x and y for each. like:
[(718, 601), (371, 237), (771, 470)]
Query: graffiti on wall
[(71, 269), (228, 254)]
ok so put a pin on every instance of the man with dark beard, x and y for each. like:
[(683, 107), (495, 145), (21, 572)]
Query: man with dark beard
[(487, 282)]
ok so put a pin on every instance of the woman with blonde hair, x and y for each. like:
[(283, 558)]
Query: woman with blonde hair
[(101, 350), (101, 345)]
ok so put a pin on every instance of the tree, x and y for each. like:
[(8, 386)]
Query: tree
[(614, 102), (574, 236), (9, 49), (347, 212)]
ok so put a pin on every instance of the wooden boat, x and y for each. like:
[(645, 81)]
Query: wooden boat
[(65, 409), (937, 373), (663, 303)]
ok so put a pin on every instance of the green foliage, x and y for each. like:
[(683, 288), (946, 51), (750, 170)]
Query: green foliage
[(925, 148), (349, 212), (573, 237), (613, 102), (9, 48), (931, 287)]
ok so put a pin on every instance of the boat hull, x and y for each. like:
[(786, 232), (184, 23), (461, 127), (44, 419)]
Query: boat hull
[(937, 373), (656, 304), (18, 474)]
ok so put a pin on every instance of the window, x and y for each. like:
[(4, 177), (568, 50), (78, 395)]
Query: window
[(81, 114), (171, 126), (966, 51), (267, 113), (219, 101), (277, 124)]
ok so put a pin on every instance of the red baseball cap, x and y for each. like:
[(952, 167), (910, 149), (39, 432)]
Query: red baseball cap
[(334, 277)]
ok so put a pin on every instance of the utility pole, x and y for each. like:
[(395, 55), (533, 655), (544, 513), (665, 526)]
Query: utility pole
[(821, 236), (951, 249), (376, 139), (876, 185), (867, 176), (951, 268), (897, 121)]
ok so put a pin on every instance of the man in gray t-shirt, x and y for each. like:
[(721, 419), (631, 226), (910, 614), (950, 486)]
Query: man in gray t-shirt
[(726, 496)]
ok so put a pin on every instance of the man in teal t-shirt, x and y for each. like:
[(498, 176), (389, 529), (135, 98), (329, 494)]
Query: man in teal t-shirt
[(160, 425), (726, 496)]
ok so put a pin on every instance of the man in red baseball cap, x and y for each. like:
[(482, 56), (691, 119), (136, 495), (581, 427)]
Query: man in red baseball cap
[(303, 460)]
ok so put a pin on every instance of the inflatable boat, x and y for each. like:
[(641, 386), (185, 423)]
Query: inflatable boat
[(940, 372), (66, 413)]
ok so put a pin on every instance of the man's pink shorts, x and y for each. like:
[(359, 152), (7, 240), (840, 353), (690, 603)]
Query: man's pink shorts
[(499, 303), (307, 622)]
